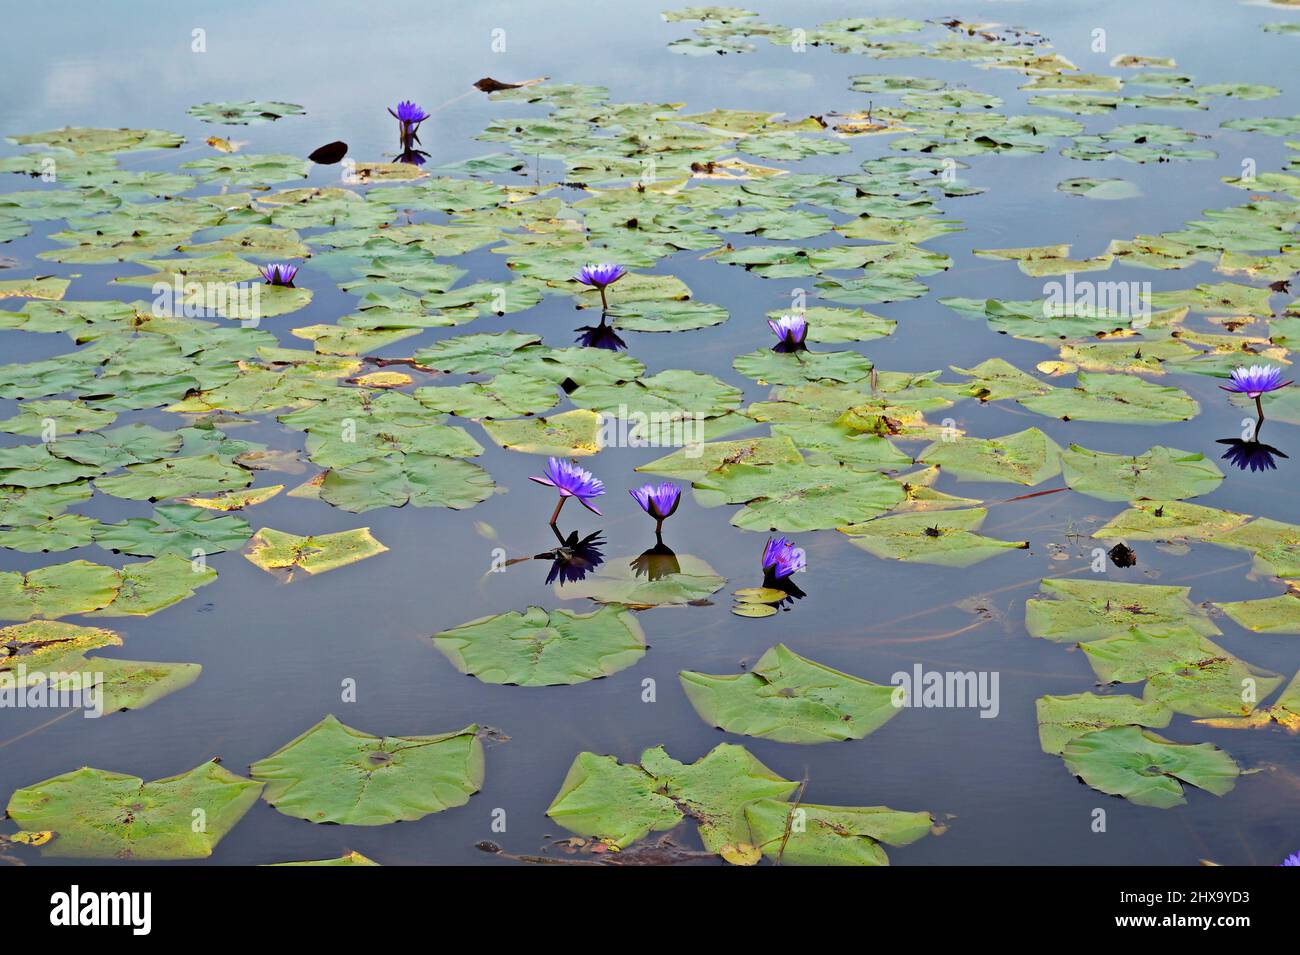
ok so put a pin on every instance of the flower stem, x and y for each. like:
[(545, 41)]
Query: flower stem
[(1259, 407), (604, 303), (555, 515)]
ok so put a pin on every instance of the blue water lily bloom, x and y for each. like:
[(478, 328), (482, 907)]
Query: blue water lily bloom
[(781, 558), (1255, 382), (409, 116), (1292, 859), (600, 277), (571, 481), (660, 502), (278, 273), (790, 331)]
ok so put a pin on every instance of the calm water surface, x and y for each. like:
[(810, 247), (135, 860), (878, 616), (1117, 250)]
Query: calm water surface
[(274, 656)]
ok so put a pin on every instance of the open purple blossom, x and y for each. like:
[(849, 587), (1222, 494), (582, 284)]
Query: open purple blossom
[(1256, 380), (409, 116), (1292, 859), (278, 273), (781, 558), (571, 481), (600, 276), (790, 331), (660, 502)]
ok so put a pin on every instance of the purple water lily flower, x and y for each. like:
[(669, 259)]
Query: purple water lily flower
[(1255, 382), (600, 276), (278, 273), (409, 116), (790, 331), (781, 558), (1292, 859), (659, 502), (571, 481)]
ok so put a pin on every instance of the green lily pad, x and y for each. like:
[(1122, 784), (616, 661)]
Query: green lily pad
[(54, 655), (1183, 670), (58, 590), (275, 551), (1065, 718), (775, 368), (805, 834), (568, 434), (798, 497), (1027, 457), (1147, 769), (1279, 614), (946, 538), (1170, 521), (333, 773), (174, 529), (790, 699), (174, 477), (619, 803), (1275, 544), (693, 463), (1122, 399), (1081, 611), (422, 480), (536, 648), (104, 815), (1162, 474), (149, 586)]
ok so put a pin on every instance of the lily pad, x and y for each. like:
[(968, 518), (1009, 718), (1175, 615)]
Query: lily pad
[(798, 497), (1162, 474), (1027, 457), (619, 582), (275, 551), (1122, 399), (104, 815), (1081, 611), (619, 803), (806, 834), (1065, 718), (790, 699), (333, 773), (537, 648), (946, 538), (1270, 615), (1148, 769), (174, 529)]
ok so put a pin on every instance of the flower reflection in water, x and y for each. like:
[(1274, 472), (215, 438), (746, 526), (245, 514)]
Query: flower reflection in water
[(600, 336), (656, 563), (412, 157), (1251, 455), (574, 558)]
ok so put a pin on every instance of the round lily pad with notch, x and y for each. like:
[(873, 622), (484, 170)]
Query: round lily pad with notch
[(98, 814), (945, 538), (174, 529), (768, 367), (806, 834), (1147, 769), (1079, 611), (422, 480), (568, 434), (621, 581), (1027, 457), (334, 773), (798, 496), (64, 532), (1123, 399), (1162, 474), (790, 699), (244, 112), (537, 648)]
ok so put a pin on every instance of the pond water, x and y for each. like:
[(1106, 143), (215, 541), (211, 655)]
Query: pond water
[(277, 656)]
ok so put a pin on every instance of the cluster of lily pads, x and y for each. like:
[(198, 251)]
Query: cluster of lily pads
[(848, 447)]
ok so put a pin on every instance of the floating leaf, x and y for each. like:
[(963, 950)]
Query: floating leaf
[(274, 550), (1270, 615), (333, 773), (1162, 474), (620, 803), (790, 699), (945, 538), (798, 497), (1028, 457), (1085, 610), (536, 648), (1115, 398), (103, 815), (619, 582), (1147, 769), (805, 834), (1065, 718)]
